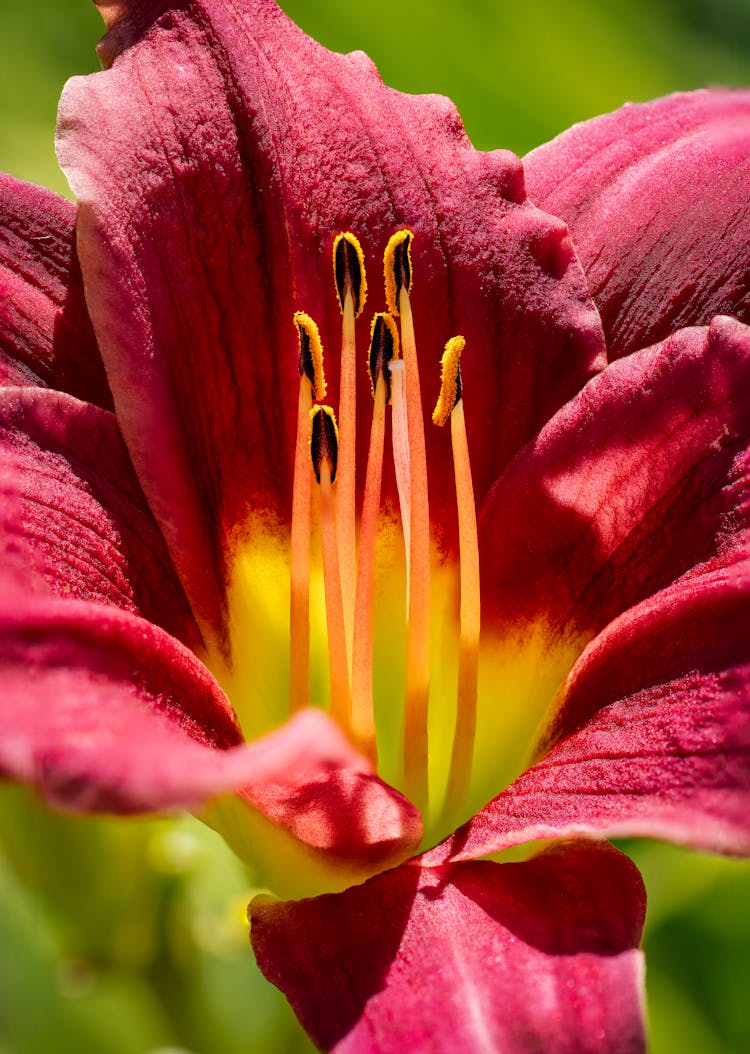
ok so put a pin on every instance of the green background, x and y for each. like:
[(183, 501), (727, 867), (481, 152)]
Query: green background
[(128, 938)]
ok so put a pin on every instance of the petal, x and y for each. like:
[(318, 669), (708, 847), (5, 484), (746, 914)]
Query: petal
[(653, 734), (639, 479), (476, 957), (103, 712), (656, 199), (45, 333), (215, 161), (73, 515)]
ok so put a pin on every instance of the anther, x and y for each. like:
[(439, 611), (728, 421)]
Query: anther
[(450, 381), (324, 441), (397, 268), (349, 271), (384, 347), (310, 354)]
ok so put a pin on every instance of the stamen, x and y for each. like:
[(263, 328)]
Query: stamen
[(398, 280), (349, 271), (351, 290), (450, 381), (383, 349), (450, 404), (312, 383), (324, 453), (397, 268), (310, 354)]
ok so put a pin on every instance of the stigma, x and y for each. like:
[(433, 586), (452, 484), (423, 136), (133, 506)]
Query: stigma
[(342, 519)]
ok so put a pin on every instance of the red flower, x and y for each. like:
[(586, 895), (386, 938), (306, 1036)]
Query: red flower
[(145, 604)]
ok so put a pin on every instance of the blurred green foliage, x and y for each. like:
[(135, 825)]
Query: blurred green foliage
[(129, 938)]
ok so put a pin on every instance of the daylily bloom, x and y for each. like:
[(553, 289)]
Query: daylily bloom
[(571, 551)]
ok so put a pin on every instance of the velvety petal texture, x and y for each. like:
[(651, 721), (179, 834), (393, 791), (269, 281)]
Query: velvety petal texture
[(215, 162), (74, 514), (656, 198), (45, 333), (497, 958), (639, 479)]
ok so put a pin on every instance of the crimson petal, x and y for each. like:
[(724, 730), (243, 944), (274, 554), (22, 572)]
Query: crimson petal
[(638, 480), (73, 515), (653, 735), (45, 332), (215, 161), (656, 198), (104, 712), (472, 957)]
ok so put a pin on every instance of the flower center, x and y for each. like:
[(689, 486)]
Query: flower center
[(380, 626), (327, 452)]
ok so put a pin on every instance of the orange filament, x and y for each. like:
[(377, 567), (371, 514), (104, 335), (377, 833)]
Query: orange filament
[(400, 443), (418, 635), (363, 720), (299, 603), (312, 383), (351, 290), (345, 501), (450, 404), (383, 348), (324, 453)]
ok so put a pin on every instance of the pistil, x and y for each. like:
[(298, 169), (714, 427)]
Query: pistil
[(450, 405), (398, 281), (312, 385), (324, 443)]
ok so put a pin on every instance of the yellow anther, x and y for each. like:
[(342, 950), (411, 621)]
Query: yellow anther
[(324, 440), (349, 271), (397, 267), (450, 381), (310, 354), (384, 348)]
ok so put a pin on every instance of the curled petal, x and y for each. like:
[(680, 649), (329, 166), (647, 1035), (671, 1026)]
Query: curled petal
[(103, 712), (478, 957), (45, 332), (215, 162), (656, 199)]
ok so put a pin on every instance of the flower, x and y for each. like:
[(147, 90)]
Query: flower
[(222, 161)]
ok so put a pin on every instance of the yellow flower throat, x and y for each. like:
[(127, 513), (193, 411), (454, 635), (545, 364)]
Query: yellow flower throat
[(379, 629)]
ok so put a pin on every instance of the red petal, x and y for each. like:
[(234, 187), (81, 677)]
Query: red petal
[(103, 712), (73, 515), (215, 162), (475, 957), (639, 479), (653, 738), (657, 202), (45, 333)]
